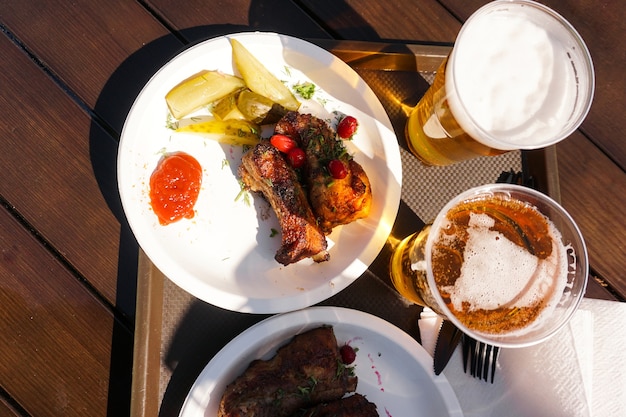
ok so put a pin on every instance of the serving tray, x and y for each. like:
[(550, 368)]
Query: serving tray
[(176, 334)]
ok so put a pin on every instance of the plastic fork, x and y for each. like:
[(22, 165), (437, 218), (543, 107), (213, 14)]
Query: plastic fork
[(480, 357)]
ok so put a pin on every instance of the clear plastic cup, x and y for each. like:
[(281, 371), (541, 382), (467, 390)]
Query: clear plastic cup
[(505, 263), (519, 77)]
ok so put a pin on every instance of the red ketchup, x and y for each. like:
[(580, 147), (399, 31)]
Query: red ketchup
[(174, 187)]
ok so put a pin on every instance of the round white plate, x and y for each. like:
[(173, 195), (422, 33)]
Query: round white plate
[(394, 371), (225, 254)]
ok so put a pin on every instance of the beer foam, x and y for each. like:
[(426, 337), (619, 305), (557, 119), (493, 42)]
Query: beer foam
[(497, 273), (509, 81)]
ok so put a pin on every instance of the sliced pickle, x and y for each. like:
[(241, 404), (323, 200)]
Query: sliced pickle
[(199, 90), (231, 132), (226, 108), (260, 80), (259, 109)]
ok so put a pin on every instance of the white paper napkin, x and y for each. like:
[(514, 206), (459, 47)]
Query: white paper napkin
[(580, 372), (429, 325)]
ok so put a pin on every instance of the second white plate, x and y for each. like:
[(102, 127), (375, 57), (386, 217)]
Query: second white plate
[(394, 371)]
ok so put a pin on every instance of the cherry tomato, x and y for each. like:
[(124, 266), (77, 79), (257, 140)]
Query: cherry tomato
[(347, 127), (283, 143), (296, 157), (337, 169), (348, 355)]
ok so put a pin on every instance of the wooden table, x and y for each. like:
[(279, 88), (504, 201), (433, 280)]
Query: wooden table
[(69, 74)]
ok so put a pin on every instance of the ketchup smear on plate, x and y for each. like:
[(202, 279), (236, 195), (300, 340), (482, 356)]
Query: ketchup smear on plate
[(174, 187)]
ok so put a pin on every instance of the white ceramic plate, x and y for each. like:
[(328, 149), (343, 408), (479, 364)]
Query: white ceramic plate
[(394, 371), (225, 254)]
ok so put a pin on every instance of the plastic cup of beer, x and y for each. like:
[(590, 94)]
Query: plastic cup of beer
[(518, 77), (505, 263)]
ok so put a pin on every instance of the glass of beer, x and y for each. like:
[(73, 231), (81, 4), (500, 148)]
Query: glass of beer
[(519, 77), (505, 263)]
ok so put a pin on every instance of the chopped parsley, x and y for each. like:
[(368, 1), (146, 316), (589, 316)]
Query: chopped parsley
[(243, 192), (305, 90)]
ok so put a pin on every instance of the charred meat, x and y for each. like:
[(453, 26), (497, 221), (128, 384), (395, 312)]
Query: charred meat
[(263, 169), (305, 372), (334, 201), (353, 406)]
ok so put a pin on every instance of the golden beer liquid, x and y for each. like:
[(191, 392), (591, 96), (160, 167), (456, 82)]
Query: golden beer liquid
[(404, 279), (433, 134), (412, 284)]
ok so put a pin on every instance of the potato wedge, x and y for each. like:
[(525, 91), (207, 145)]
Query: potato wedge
[(231, 132), (260, 80), (199, 90)]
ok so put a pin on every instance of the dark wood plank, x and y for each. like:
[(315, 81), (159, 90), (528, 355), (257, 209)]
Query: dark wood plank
[(597, 289), (197, 20), (48, 174), (91, 39), (103, 52), (7, 410), (593, 191), (55, 337), (424, 20)]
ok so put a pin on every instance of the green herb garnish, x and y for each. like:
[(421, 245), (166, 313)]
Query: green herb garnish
[(305, 90), (243, 192)]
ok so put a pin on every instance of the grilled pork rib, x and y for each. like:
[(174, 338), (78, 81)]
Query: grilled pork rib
[(305, 372), (353, 406), (263, 169), (333, 201)]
